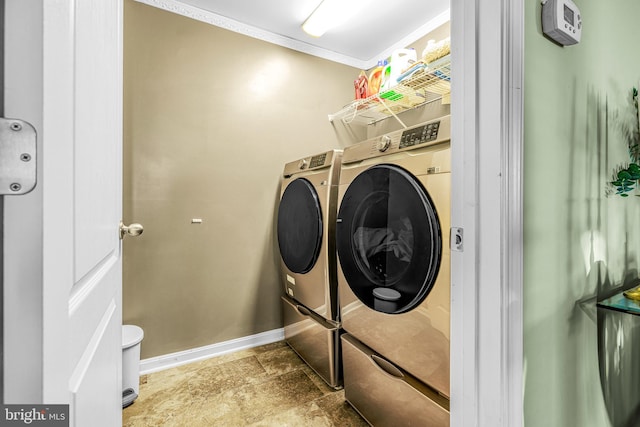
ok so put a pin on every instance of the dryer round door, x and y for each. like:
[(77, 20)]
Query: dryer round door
[(300, 226), (388, 239)]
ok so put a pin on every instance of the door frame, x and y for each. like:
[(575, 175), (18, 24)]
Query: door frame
[(39, 264), (487, 111), (22, 215), (38, 228), (487, 281)]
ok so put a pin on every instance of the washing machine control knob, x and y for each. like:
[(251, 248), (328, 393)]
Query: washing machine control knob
[(302, 164), (384, 143)]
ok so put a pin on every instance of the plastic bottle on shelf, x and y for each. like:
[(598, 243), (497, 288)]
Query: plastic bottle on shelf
[(401, 60), (361, 86), (435, 51), (375, 78), (427, 52), (386, 76)]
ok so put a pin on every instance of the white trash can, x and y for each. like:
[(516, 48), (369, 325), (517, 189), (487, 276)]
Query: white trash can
[(131, 337)]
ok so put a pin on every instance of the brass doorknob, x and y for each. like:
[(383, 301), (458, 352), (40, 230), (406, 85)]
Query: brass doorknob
[(131, 230)]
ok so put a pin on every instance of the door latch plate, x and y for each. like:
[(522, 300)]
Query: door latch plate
[(457, 239), (17, 157)]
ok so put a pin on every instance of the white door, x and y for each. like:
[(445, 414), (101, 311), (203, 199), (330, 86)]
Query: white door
[(63, 73)]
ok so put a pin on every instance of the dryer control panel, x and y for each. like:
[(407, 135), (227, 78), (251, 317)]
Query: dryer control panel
[(420, 134), (327, 160), (318, 160)]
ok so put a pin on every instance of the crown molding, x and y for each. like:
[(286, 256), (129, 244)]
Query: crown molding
[(253, 32), (179, 8)]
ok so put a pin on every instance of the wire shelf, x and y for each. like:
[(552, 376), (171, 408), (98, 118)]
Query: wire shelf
[(425, 85)]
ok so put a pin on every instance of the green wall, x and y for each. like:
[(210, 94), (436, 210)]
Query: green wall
[(579, 244)]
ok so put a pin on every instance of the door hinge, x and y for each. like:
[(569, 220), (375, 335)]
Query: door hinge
[(17, 157), (456, 239)]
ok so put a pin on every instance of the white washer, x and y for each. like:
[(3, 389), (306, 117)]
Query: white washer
[(306, 240), (392, 239)]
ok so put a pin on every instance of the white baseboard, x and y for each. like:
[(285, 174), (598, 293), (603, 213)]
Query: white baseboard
[(160, 363)]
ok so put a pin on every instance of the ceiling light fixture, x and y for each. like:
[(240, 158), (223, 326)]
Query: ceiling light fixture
[(329, 14)]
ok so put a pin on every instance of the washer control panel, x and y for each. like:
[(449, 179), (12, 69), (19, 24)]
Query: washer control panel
[(420, 135), (384, 143)]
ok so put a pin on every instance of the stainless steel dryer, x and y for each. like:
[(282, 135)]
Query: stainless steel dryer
[(306, 239), (392, 239)]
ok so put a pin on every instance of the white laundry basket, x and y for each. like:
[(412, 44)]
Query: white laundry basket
[(131, 337)]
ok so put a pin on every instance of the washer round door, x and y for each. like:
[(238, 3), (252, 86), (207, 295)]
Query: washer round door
[(300, 226), (388, 239)]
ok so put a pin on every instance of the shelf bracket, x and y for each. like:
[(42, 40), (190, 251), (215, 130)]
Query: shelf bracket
[(395, 116)]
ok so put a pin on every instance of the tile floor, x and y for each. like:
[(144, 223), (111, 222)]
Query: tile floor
[(264, 386)]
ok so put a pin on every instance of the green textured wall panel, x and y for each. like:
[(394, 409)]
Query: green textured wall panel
[(579, 243)]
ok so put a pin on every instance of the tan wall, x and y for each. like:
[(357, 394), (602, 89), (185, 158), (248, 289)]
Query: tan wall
[(210, 118)]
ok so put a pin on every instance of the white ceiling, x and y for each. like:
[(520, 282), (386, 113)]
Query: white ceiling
[(383, 26)]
